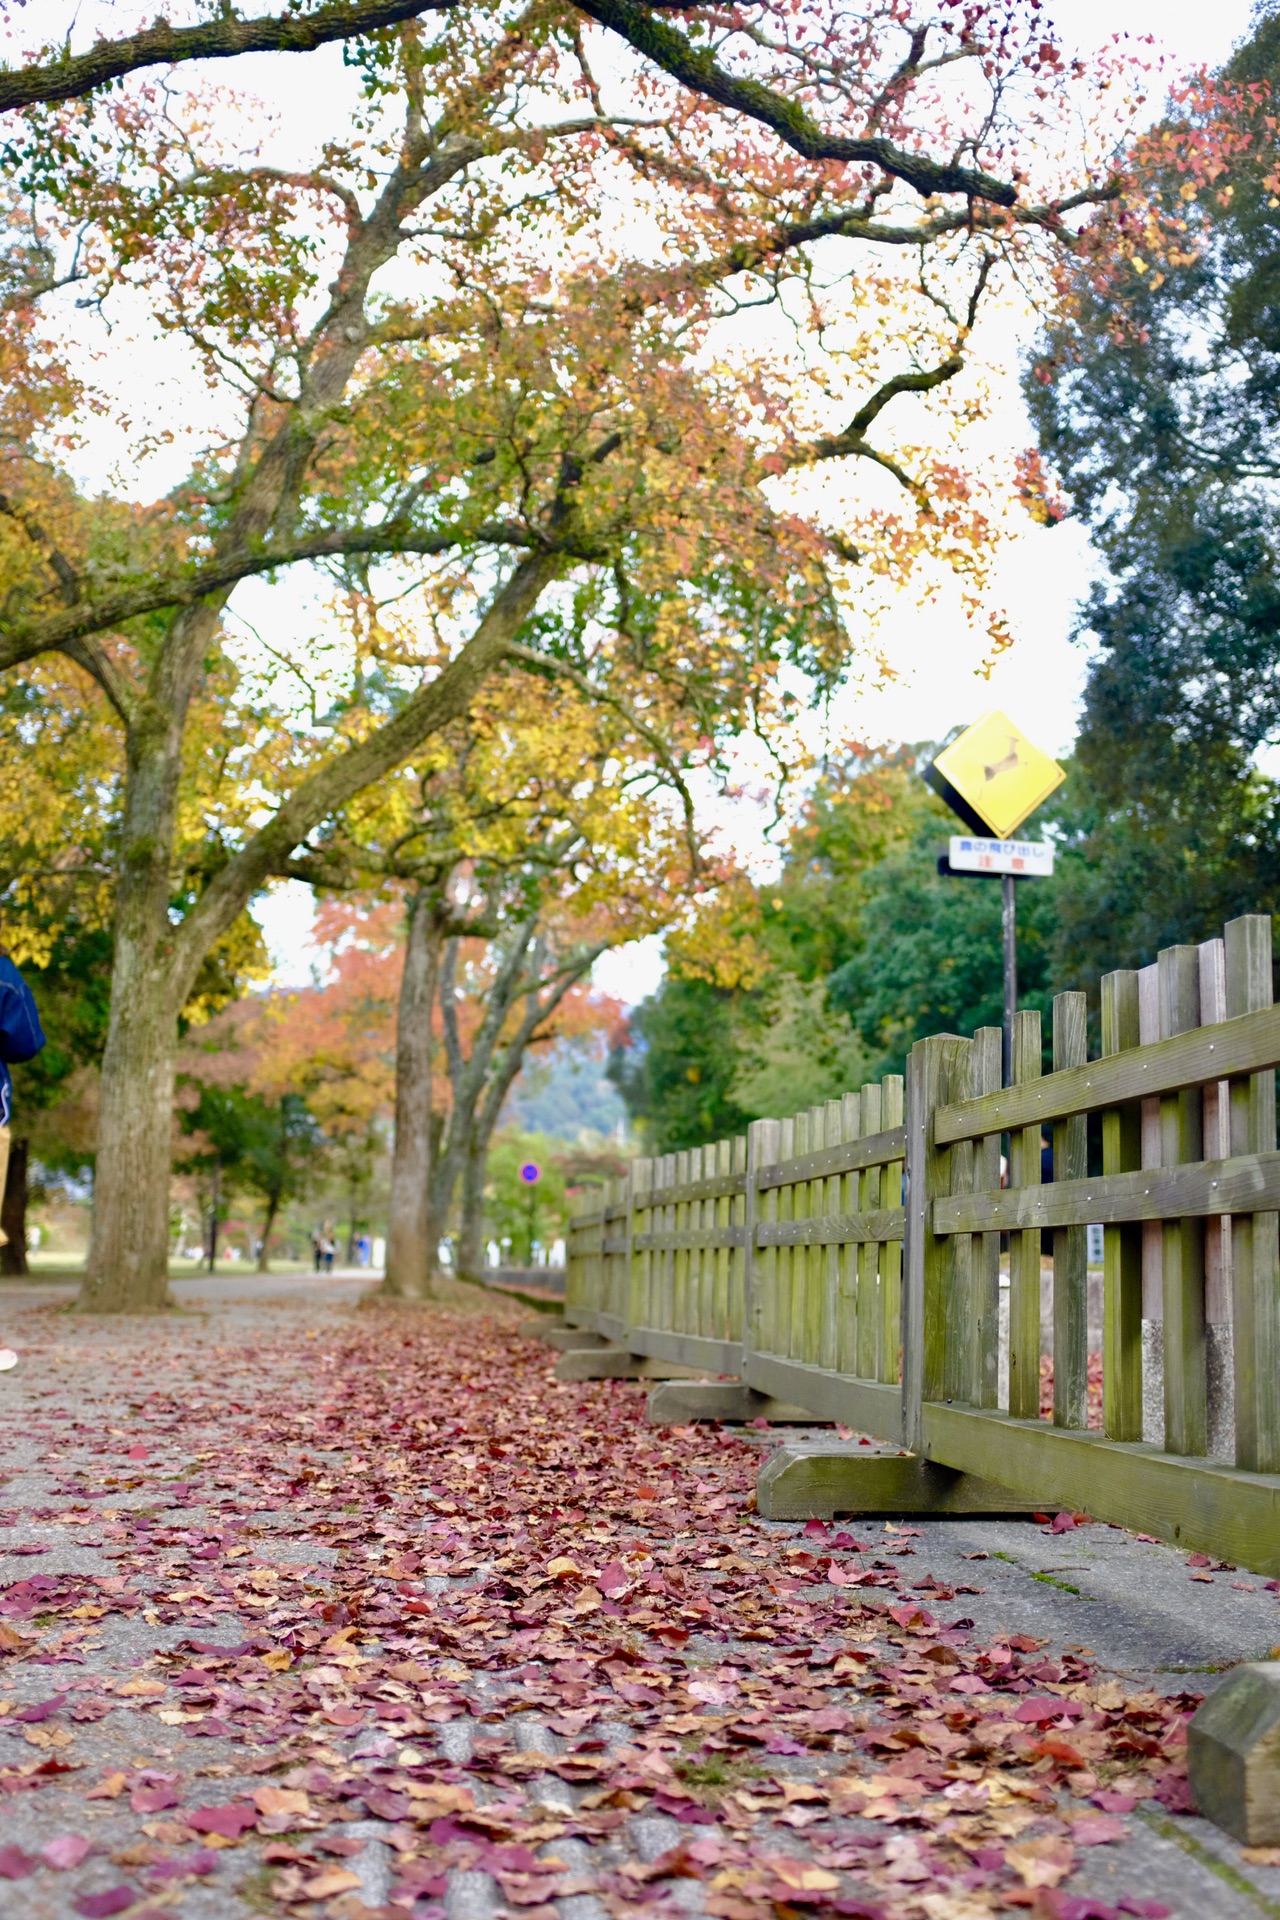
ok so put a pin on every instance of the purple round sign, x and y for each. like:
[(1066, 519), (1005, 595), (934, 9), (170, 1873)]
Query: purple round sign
[(531, 1173)]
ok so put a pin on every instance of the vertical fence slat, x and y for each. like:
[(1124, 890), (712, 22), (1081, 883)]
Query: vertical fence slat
[(985, 1071), (865, 1259), (931, 1074), (1121, 1246), (640, 1311), (1152, 1254), (1182, 1240), (735, 1312), (848, 1308), (812, 1259), (1024, 1246), (759, 1275), (784, 1275), (951, 1322), (831, 1256), (1255, 1253), (892, 1187), (1070, 1252)]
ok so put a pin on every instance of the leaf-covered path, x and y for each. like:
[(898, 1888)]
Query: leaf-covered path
[(316, 1611)]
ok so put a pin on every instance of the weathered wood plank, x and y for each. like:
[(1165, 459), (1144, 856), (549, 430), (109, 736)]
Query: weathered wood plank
[(1186, 1409), (847, 1157), (834, 1229), (1249, 1184), (688, 1239), (1255, 1238), (1196, 1504), (865, 1405), (983, 1367), (889, 1345), (685, 1349), (713, 1186), (1246, 1044), (1122, 1245), (933, 1068), (757, 1275), (866, 1261), (1024, 1247), (1070, 1254)]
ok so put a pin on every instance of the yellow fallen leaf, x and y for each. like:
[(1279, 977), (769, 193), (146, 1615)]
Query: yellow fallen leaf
[(1043, 1862), (141, 1688), (1261, 1856), (177, 1716), (86, 1613), (45, 1737), (332, 1880), (440, 1798), (110, 1787), (794, 1873), (337, 1641), (561, 1568), (281, 1800), (278, 1660)]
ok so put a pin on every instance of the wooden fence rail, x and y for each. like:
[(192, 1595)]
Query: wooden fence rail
[(848, 1260)]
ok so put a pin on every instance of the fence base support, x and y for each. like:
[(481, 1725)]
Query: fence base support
[(818, 1480), (1233, 1754), (678, 1402), (560, 1335), (616, 1363)]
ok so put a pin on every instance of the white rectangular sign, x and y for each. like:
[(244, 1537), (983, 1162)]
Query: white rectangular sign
[(970, 855)]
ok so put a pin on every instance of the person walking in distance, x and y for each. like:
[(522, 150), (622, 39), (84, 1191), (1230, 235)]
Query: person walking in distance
[(21, 1038)]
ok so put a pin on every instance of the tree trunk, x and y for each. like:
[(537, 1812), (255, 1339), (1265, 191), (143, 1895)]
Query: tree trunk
[(268, 1222), (410, 1254), (128, 1267), (13, 1209), (471, 1234)]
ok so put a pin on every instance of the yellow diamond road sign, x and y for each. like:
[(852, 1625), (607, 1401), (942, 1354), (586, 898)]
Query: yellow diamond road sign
[(997, 773)]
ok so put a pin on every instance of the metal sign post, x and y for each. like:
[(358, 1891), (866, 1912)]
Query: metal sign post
[(992, 777)]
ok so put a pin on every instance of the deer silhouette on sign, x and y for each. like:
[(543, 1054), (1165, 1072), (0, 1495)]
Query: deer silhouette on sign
[(1006, 765)]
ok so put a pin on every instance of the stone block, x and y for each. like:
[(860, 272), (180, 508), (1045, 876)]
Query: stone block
[(818, 1480), (616, 1363), (1233, 1754), (676, 1403)]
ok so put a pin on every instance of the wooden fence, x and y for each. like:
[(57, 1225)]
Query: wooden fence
[(802, 1261)]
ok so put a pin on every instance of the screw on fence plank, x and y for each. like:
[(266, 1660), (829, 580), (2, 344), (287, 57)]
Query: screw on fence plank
[(1255, 1255), (1121, 1246), (1182, 1240), (1070, 1263), (1024, 1246), (889, 1343)]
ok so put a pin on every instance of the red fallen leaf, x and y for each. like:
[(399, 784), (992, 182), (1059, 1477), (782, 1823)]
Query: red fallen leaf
[(689, 1812), (229, 1821), (1174, 1794), (1097, 1829), (67, 1850), (153, 1799), (1039, 1709), (1199, 1560), (344, 1716), (1063, 1523), (138, 1453), (644, 1493), (97, 1906), (969, 1683), (1112, 1801), (41, 1710), (15, 1864), (614, 1578)]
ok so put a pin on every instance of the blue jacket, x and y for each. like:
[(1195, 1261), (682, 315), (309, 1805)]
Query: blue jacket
[(21, 1035)]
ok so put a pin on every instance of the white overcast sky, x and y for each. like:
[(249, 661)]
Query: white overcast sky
[(935, 657)]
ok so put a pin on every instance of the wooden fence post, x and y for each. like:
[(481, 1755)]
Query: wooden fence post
[(1024, 1246), (1255, 1254), (1182, 1241), (927, 1263), (1121, 1246), (1070, 1250)]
